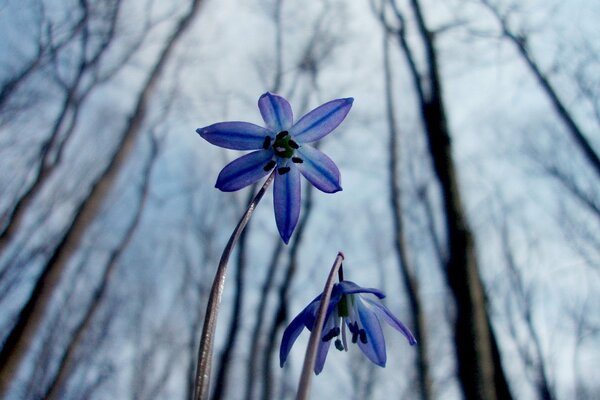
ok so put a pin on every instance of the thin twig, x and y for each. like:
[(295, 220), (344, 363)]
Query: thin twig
[(212, 309), (315, 335)]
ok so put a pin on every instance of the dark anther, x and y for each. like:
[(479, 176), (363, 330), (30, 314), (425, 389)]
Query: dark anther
[(293, 144), (281, 134), (331, 334), (283, 170), (338, 345), (267, 142), (297, 160), (363, 336), (354, 330), (269, 165)]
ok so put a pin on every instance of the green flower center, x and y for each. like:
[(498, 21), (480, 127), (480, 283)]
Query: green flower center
[(284, 146), (343, 306)]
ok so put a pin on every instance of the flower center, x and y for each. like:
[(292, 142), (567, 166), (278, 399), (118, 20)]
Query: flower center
[(284, 146)]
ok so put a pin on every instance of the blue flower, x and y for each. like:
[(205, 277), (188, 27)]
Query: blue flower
[(281, 145), (348, 307)]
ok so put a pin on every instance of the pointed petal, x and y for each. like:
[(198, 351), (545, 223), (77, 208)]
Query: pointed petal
[(323, 346), (235, 135), (243, 171), (374, 349), (276, 112), (321, 121), (286, 198), (290, 335), (394, 322), (349, 287), (319, 169)]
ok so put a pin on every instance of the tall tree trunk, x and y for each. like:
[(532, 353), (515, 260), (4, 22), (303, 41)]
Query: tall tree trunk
[(63, 127), (409, 279), (479, 368), (480, 372), (20, 338), (68, 359)]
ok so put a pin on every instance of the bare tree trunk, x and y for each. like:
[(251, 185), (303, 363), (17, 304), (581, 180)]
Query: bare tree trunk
[(21, 336), (479, 369), (68, 359), (407, 274), (480, 376), (51, 150)]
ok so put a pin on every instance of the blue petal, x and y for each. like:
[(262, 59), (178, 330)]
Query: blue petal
[(243, 171), (394, 322), (319, 169), (290, 335), (286, 198), (276, 112), (374, 349), (349, 287), (324, 346), (321, 121), (235, 135)]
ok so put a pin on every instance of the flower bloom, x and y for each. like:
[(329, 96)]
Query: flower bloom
[(281, 145), (350, 306)]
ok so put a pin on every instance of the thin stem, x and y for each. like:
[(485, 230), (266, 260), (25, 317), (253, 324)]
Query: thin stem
[(315, 335), (212, 309)]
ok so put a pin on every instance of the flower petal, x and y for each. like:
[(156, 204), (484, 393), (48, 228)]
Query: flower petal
[(243, 171), (319, 169), (321, 121), (374, 349), (276, 112), (323, 345), (286, 198), (290, 335), (349, 287), (235, 135), (394, 322)]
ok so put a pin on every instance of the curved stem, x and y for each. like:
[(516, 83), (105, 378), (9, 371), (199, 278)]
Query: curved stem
[(205, 351), (315, 335)]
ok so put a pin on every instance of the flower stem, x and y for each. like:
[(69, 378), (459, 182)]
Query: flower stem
[(205, 351), (315, 335)]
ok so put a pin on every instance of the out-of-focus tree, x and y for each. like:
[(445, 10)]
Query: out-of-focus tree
[(476, 350), (19, 339)]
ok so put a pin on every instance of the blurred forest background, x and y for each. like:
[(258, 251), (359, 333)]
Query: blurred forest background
[(470, 165)]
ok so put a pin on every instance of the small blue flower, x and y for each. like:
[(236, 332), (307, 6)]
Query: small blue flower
[(281, 145), (348, 307)]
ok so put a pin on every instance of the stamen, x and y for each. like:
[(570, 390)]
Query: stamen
[(293, 144), (283, 170), (344, 341), (338, 345), (267, 142), (363, 336), (269, 165), (355, 331), (297, 160), (333, 332), (281, 134)]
